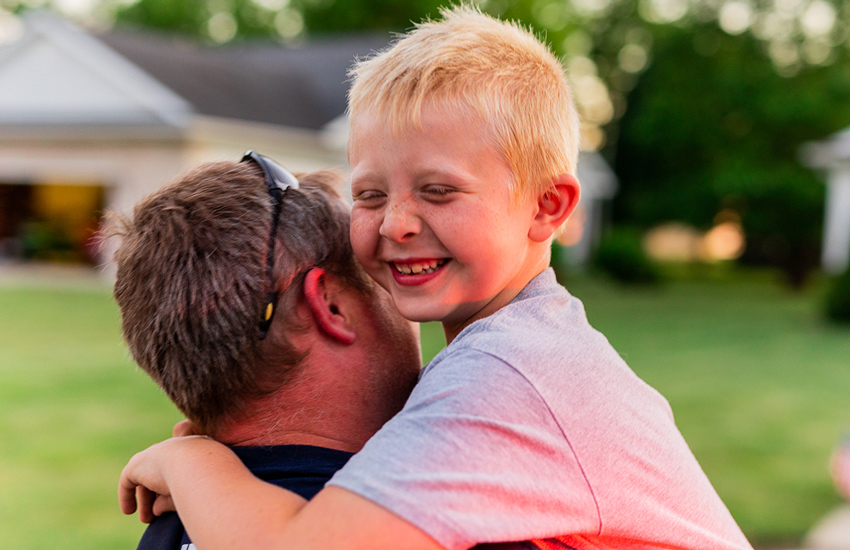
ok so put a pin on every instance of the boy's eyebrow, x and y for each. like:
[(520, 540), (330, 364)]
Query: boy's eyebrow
[(366, 177), (455, 177)]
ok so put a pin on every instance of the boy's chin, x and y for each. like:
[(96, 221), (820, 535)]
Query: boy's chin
[(417, 315)]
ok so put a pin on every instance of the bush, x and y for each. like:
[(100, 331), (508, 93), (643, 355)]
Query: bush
[(838, 299), (621, 256)]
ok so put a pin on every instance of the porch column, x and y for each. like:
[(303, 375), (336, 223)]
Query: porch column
[(836, 234)]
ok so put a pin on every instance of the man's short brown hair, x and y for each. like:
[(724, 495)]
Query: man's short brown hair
[(191, 278)]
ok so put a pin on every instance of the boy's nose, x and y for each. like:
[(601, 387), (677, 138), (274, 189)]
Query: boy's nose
[(400, 221)]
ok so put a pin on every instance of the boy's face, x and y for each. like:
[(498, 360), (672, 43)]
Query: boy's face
[(433, 221)]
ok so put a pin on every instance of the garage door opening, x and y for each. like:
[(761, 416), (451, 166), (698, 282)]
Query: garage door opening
[(50, 222)]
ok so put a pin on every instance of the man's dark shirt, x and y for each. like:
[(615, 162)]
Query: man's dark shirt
[(302, 469)]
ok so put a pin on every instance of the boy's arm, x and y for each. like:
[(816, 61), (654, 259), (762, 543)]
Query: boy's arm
[(224, 506)]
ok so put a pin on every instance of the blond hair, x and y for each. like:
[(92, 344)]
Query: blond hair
[(501, 71)]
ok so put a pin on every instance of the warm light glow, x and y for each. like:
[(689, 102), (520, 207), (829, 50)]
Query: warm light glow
[(724, 242), (818, 19), (553, 16), (271, 5), (580, 66), (592, 8), (677, 242), (662, 11), (816, 52), (784, 54), (592, 137), (75, 7), (633, 58), (577, 45), (573, 230), (593, 100), (222, 27), (289, 23), (735, 17), (790, 8), (672, 242)]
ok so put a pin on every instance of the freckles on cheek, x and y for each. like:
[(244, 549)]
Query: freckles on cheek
[(360, 238)]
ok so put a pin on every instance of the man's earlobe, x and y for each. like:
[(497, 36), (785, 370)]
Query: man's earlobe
[(322, 299), (554, 207)]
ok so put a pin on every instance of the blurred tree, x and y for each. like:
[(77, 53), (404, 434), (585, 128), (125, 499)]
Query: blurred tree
[(713, 127), (348, 15), (224, 20)]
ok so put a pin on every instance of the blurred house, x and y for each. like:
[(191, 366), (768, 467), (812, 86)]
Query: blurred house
[(94, 122), (832, 156)]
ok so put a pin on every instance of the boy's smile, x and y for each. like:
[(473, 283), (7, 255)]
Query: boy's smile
[(414, 272), (433, 219)]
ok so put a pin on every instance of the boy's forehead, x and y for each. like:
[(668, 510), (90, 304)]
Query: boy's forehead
[(446, 141), (439, 138), (416, 121)]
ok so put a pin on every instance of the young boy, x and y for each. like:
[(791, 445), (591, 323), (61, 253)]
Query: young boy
[(528, 426)]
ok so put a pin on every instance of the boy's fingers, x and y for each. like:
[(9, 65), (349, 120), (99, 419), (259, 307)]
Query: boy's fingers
[(132, 494), (186, 427), (126, 495), (146, 501), (163, 504)]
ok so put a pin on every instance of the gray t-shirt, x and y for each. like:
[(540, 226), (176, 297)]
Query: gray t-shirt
[(530, 426)]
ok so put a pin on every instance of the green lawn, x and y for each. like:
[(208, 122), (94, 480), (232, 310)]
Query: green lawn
[(73, 409), (758, 383)]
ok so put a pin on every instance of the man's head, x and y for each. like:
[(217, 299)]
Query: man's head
[(495, 70), (192, 278)]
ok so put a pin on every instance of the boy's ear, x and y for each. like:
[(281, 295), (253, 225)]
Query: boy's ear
[(322, 293), (554, 207)]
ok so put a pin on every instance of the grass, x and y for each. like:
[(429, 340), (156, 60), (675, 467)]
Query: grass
[(73, 409), (757, 381)]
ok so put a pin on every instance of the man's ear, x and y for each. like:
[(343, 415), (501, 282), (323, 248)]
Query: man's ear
[(322, 298), (554, 207)]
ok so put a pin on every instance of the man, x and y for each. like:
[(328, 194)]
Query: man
[(203, 265)]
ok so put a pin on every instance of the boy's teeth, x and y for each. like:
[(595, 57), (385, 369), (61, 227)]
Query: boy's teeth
[(418, 268)]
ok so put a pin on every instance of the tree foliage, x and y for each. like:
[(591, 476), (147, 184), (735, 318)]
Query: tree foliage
[(719, 128), (275, 19)]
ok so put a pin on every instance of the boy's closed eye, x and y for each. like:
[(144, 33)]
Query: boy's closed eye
[(438, 193), (369, 197)]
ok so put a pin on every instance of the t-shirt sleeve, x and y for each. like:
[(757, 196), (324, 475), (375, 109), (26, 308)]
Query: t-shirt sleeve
[(475, 456)]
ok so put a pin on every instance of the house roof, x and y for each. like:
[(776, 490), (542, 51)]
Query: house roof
[(54, 75), (300, 86)]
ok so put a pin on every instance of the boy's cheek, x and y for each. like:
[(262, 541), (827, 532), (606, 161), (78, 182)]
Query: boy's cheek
[(363, 244), (361, 238)]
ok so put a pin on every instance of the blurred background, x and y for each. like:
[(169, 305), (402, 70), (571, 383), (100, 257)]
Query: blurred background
[(711, 246)]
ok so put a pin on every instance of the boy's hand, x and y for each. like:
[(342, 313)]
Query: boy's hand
[(143, 484), (186, 427)]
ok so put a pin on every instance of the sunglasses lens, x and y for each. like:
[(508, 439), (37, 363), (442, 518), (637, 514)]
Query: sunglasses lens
[(276, 175), (281, 175)]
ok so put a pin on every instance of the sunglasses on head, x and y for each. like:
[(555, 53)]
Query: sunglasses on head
[(278, 179)]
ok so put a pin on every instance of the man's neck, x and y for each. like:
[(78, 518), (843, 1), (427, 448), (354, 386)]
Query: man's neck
[(302, 414), (238, 437)]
